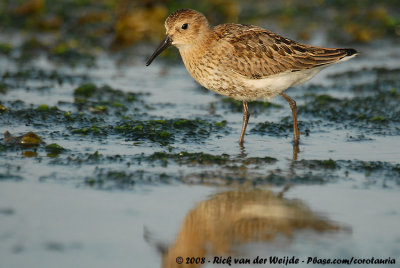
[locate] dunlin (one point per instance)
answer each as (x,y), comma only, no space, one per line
(245,62)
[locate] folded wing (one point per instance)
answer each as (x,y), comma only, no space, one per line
(257,53)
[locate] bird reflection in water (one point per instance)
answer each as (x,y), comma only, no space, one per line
(228,219)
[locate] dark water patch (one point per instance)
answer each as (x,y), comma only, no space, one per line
(187,158)
(112,179)
(7,211)
(375,168)
(96,158)
(9,171)
(3,88)
(358,138)
(205,159)
(317,164)
(259,160)
(12,177)
(275,177)
(117,171)
(16,78)
(60,247)
(375,172)
(125,180)
(54,246)
(16,104)
(69,55)
(59,50)
(381,73)
(31,48)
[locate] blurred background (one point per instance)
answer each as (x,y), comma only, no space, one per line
(79,28)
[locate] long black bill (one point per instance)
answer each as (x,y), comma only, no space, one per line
(164,44)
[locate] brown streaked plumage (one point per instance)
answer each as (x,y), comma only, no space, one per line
(245,62)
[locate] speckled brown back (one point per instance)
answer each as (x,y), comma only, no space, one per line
(258,53)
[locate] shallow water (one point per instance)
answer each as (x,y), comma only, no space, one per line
(119,196)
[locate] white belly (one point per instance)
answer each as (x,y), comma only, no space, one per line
(268,88)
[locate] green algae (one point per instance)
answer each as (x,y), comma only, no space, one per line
(106,94)
(254,106)
(126,180)
(325,99)
(112,179)
(166,131)
(276,178)
(377,114)
(165,135)
(153,130)
(53,149)
(221,124)
(190,158)
(259,160)
(85,90)
(43,108)
(318,164)
(92,130)
(284,127)
(85,159)
(378,119)
(5,48)
(205,159)
(71,55)
(272,128)
(105,99)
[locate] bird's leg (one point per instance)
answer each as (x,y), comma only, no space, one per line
(292,103)
(246,116)
(296,151)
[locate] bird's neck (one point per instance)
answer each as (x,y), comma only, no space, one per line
(198,48)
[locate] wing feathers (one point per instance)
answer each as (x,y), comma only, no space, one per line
(257,53)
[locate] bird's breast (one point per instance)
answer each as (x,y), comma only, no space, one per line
(207,71)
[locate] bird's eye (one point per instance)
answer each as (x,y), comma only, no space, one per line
(184,26)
